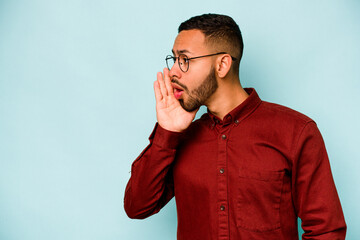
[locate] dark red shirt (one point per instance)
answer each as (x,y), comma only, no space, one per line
(248,176)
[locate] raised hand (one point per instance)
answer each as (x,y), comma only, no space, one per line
(170,115)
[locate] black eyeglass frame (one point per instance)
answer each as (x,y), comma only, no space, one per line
(168,57)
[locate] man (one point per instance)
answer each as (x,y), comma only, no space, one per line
(245,170)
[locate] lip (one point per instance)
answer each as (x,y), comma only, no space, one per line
(176,86)
(178,91)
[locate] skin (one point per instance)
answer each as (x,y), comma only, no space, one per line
(196,97)
(229,93)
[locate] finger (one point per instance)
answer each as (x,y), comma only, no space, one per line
(160,79)
(169,88)
(158,95)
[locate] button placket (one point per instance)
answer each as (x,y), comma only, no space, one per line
(223,214)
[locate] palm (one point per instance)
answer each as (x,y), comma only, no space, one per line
(172,116)
(169,113)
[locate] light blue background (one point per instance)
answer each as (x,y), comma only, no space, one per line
(77,104)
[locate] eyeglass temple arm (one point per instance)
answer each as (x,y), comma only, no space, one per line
(233,58)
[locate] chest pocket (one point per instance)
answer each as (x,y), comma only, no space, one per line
(258,204)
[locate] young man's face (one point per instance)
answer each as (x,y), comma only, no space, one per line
(194,87)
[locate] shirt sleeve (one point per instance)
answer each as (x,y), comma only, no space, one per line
(315,197)
(151,183)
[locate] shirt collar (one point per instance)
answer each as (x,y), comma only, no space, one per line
(240,112)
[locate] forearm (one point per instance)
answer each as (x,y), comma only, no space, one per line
(150,186)
(316,198)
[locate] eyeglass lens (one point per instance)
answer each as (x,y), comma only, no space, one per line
(183,62)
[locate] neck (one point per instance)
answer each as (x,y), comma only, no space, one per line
(228,96)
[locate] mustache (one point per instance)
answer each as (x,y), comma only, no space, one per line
(179,83)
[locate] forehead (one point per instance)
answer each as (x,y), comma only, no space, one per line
(189,41)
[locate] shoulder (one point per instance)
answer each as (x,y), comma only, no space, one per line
(277,112)
(278,120)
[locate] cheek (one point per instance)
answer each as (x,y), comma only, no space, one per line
(195,78)
(192,83)
(202,65)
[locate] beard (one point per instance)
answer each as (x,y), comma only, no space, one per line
(201,94)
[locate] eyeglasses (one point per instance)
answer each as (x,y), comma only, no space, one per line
(183,60)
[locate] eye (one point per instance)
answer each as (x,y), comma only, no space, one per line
(183,59)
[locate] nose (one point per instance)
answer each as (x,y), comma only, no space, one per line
(175,70)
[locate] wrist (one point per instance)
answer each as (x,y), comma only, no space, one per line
(166,138)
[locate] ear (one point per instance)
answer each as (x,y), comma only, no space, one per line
(223,65)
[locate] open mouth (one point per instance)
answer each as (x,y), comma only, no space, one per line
(177,93)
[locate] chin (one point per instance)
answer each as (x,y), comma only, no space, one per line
(189,107)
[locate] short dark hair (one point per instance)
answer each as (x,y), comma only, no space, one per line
(220,31)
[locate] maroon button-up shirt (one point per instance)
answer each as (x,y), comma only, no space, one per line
(248,176)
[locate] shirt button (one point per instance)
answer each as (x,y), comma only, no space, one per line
(222,170)
(223,136)
(222,207)
(236,121)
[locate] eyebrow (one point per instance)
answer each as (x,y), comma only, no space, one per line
(181,51)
